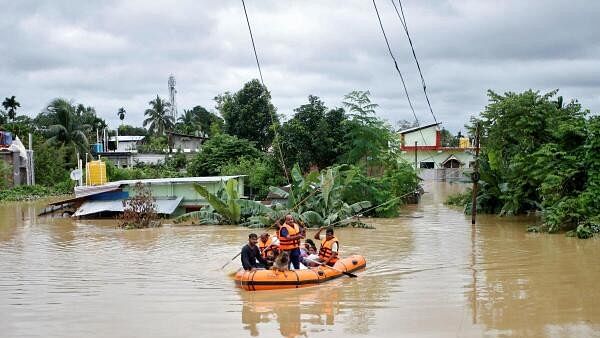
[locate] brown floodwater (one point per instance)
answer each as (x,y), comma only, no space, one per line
(429,274)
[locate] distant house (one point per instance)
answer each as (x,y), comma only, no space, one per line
(124,143)
(422,146)
(185,143)
(122,151)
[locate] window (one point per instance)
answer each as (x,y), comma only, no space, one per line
(427,165)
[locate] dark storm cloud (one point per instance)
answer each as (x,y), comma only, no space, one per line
(120,53)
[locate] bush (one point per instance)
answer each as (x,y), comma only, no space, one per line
(219,151)
(262,172)
(31,192)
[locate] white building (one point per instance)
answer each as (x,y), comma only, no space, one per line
(125,143)
(422,146)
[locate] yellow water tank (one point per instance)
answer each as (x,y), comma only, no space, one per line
(96,173)
(464,142)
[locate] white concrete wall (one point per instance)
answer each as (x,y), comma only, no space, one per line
(438,156)
(429,134)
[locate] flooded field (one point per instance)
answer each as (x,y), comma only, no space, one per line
(429,274)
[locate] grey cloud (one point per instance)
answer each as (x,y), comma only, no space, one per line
(120,53)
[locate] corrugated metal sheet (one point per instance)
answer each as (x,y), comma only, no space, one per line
(163,206)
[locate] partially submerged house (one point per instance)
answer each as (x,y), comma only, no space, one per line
(173,196)
(422,146)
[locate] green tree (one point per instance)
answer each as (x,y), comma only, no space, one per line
(11,105)
(448,140)
(159,120)
(314,136)
(536,156)
(369,139)
(187,123)
(249,114)
(262,172)
(126,129)
(219,151)
(67,131)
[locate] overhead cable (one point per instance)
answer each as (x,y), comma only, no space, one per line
(405,26)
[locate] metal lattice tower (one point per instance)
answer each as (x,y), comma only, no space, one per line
(172,101)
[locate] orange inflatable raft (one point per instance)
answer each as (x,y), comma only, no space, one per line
(272,280)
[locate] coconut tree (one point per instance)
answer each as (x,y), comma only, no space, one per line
(67,131)
(188,122)
(11,105)
(121,114)
(159,120)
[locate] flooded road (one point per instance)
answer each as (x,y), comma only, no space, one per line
(429,274)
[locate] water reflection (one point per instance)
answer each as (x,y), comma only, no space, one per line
(429,274)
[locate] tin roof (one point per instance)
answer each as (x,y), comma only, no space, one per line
(126,138)
(163,206)
(409,130)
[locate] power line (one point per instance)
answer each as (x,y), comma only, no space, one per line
(403,21)
(253,45)
(285,172)
(398,70)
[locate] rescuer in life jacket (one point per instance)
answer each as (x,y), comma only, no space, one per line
(289,235)
(328,253)
(268,246)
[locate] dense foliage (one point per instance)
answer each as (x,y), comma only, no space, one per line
(314,136)
(541,155)
(343,159)
(249,114)
(218,151)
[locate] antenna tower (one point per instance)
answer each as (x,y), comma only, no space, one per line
(172,92)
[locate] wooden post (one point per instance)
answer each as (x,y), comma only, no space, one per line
(475,177)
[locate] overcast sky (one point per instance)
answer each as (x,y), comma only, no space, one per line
(109,54)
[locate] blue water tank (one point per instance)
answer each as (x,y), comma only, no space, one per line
(5,138)
(97,148)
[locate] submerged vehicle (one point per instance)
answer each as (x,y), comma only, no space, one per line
(272,280)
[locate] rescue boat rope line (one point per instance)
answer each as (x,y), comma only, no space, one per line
(285,172)
(374,207)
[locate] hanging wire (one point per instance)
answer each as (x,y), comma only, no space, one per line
(285,171)
(398,70)
(403,21)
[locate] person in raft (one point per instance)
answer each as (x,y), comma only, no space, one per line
(268,246)
(328,253)
(251,254)
(289,236)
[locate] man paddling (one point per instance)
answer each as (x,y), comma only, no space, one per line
(328,254)
(289,236)
(251,254)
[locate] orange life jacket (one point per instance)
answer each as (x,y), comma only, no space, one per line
(265,247)
(325,252)
(289,244)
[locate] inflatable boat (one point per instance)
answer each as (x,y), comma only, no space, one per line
(271,280)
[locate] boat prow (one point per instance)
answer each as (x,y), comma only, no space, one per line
(273,280)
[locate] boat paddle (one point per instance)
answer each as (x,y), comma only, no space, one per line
(234,257)
(332,268)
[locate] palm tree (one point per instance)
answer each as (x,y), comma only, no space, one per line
(159,119)
(11,105)
(187,123)
(67,131)
(121,114)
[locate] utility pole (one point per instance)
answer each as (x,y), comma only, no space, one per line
(475,176)
(415,156)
